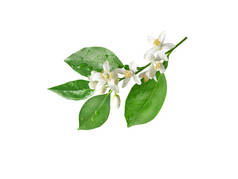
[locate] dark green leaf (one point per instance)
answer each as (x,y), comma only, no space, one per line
(94,112)
(145,101)
(75,90)
(92,58)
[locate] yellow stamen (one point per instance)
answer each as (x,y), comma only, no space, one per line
(146,78)
(156,42)
(111,75)
(127,74)
(158,66)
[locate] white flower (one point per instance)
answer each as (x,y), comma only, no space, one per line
(156,65)
(116,99)
(145,75)
(102,80)
(128,74)
(158,56)
(158,45)
(152,69)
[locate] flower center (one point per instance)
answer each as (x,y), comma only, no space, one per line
(111,75)
(156,42)
(146,78)
(157,66)
(107,76)
(127,74)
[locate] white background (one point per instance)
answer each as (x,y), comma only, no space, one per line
(195,134)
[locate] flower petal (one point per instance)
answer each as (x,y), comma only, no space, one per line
(167,46)
(155,78)
(149,55)
(106,67)
(125,82)
(151,72)
(132,67)
(120,71)
(103,89)
(136,79)
(141,75)
(144,75)
(92,84)
(114,76)
(95,76)
(101,84)
(162,69)
(113,86)
(161,37)
(161,56)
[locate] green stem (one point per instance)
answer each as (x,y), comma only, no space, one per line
(172,49)
(141,68)
(168,53)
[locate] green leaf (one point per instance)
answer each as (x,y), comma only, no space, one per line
(75,90)
(145,101)
(92,58)
(94,112)
(165,64)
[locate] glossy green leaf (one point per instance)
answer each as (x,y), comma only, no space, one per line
(145,101)
(94,112)
(75,90)
(92,58)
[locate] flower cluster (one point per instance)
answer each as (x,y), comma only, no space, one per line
(108,80)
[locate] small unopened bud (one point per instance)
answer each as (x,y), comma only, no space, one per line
(116,99)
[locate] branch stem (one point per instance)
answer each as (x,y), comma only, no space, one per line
(167,53)
(172,49)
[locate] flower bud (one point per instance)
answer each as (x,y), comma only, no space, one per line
(116,99)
